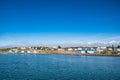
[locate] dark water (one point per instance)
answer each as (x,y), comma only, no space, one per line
(58,67)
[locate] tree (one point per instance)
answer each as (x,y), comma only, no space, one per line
(112,48)
(59,47)
(118,46)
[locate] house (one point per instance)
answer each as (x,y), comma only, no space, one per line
(92,48)
(11,51)
(81,51)
(36,48)
(101,49)
(55,47)
(75,49)
(29,47)
(109,48)
(23,48)
(86,51)
(90,51)
(79,48)
(16,51)
(69,49)
(22,51)
(61,49)
(29,51)
(118,49)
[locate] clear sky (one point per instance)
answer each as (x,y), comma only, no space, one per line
(57,21)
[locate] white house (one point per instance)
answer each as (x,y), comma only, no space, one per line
(11,51)
(22,51)
(69,49)
(79,49)
(16,51)
(61,49)
(110,49)
(90,51)
(100,49)
(118,49)
(92,48)
(55,47)
(83,51)
(29,51)
(75,49)
(29,47)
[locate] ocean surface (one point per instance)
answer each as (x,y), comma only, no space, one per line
(58,67)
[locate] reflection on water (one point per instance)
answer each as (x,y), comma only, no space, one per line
(58,67)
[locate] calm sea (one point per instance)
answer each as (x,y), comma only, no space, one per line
(58,67)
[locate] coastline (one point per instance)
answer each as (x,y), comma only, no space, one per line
(114,55)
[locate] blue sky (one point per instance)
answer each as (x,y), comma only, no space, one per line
(58,21)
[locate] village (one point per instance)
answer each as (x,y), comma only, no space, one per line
(60,50)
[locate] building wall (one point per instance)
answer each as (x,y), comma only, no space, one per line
(61,49)
(118,49)
(11,51)
(90,52)
(22,51)
(83,51)
(29,52)
(70,49)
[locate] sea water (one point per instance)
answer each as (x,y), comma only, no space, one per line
(58,67)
